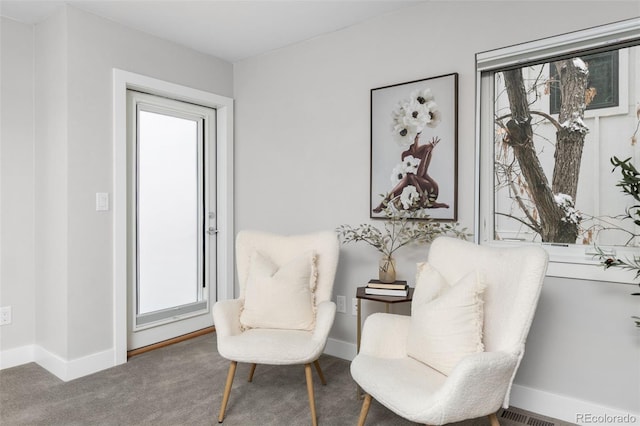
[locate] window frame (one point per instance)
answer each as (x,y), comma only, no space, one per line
(620,67)
(571,261)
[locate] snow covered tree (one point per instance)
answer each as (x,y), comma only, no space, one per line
(553,215)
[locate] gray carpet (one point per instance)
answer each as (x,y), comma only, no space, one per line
(182,385)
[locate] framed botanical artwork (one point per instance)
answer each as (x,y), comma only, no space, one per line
(414,144)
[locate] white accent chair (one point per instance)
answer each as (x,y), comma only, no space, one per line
(278,346)
(480,383)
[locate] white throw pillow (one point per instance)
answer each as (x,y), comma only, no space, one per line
(446,320)
(280,296)
(429,284)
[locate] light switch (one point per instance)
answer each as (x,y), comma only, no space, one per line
(102,201)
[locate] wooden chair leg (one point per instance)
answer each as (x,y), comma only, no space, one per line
(227,390)
(319,370)
(493,419)
(251,371)
(312,403)
(365,409)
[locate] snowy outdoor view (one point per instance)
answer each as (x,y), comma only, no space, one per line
(554,179)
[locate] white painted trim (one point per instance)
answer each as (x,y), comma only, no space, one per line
(569,268)
(603,35)
(64,370)
(340,349)
(225,208)
(123,80)
(17,356)
(561,407)
(51,362)
(75,368)
(119,216)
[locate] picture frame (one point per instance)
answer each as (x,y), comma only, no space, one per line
(414,147)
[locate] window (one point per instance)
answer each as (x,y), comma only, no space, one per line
(552,114)
(602,85)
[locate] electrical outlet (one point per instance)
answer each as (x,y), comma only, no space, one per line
(354,306)
(341,301)
(5,315)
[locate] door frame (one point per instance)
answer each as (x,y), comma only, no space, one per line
(123,80)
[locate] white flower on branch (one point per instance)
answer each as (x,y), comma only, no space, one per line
(409,165)
(403,135)
(413,115)
(409,196)
(422,95)
(435,116)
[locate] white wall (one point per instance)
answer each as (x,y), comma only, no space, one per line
(17,269)
(51,185)
(75,53)
(583,344)
(302,164)
(96,46)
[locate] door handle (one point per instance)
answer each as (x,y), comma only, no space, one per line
(211,230)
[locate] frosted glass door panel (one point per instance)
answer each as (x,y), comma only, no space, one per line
(171,181)
(168,212)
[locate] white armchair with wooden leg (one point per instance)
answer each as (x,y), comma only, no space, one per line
(284,311)
(456,356)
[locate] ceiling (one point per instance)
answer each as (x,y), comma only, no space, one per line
(230,30)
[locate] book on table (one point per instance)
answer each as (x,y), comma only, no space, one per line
(396,285)
(401,292)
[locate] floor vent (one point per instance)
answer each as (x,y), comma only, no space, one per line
(513,416)
(537,422)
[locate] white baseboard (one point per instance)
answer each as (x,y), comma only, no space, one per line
(340,349)
(568,409)
(17,356)
(69,370)
(75,368)
(541,402)
(63,369)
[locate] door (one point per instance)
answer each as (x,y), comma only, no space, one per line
(171,219)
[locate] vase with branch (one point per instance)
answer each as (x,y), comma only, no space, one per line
(401,227)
